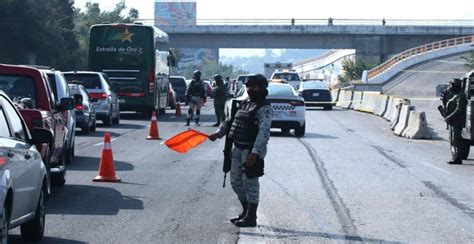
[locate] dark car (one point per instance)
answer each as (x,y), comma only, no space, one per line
(24,185)
(58,84)
(106,103)
(316,94)
(30,90)
(85,112)
(179,86)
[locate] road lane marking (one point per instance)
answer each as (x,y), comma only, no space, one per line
(434,167)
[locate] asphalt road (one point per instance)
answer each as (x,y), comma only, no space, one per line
(348,179)
(419,84)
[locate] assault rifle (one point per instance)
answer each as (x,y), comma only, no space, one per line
(228,142)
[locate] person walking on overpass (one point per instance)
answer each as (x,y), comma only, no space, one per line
(195,95)
(220,97)
(250,131)
(456,117)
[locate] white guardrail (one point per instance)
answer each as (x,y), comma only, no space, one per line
(410,57)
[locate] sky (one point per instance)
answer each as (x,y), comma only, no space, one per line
(308,9)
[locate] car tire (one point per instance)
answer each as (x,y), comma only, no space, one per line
(59,178)
(299,131)
(86,129)
(33,230)
(69,155)
(285,130)
(108,120)
(116,120)
(5,224)
(94,126)
(328,107)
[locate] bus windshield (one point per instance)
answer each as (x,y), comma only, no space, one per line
(121,46)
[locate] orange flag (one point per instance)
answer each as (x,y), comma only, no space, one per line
(186,140)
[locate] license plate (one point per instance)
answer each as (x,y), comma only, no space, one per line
(121,100)
(315,94)
(292,113)
(278,114)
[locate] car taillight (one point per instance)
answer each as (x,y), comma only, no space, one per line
(37,123)
(98,96)
(79,107)
(151,81)
(297,103)
(3,161)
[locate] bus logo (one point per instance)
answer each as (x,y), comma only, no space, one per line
(123,37)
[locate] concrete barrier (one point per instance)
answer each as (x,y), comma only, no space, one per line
(341,98)
(388,113)
(402,123)
(381,105)
(347,99)
(417,126)
(369,102)
(335,95)
(357,100)
(396,107)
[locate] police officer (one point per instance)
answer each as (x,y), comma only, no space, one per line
(220,97)
(250,132)
(456,116)
(195,94)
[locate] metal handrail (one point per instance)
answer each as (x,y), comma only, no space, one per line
(416,51)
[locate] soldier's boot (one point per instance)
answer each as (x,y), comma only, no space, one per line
(197,122)
(187,122)
(250,219)
(242,215)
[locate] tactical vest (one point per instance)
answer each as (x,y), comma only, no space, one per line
(244,129)
(196,88)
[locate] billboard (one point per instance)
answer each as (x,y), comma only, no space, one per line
(175,13)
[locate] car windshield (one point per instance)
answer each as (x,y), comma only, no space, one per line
(89,81)
(313,85)
(18,86)
(286,76)
(280,90)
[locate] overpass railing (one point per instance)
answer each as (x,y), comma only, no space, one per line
(330,21)
(417,51)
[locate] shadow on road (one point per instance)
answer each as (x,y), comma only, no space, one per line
(89,200)
(97,134)
(281,234)
(318,136)
(81,163)
(46,240)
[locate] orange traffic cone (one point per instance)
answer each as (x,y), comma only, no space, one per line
(154,134)
(106,167)
(178,109)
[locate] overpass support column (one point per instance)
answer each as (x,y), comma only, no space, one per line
(369,49)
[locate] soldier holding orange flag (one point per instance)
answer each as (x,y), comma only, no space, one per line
(250,131)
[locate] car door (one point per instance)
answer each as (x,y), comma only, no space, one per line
(24,172)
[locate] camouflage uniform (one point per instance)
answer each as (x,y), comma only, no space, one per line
(248,189)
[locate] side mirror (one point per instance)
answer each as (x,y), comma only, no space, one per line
(67,103)
(40,136)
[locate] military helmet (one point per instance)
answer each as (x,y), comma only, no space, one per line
(456,81)
(197,74)
(218,77)
(256,79)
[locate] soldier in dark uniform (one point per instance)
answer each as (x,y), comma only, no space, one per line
(456,116)
(194,95)
(250,132)
(220,97)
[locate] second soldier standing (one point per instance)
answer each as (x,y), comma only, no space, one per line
(220,97)
(195,94)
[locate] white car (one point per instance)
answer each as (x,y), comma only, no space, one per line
(24,182)
(288,108)
(287,76)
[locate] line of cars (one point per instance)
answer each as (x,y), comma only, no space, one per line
(39,111)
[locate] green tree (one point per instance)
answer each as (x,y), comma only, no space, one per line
(91,15)
(37,33)
(469,61)
(352,70)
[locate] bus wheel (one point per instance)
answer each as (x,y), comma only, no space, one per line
(162,111)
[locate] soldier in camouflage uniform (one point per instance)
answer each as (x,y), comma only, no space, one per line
(195,95)
(456,117)
(220,97)
(250,132)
